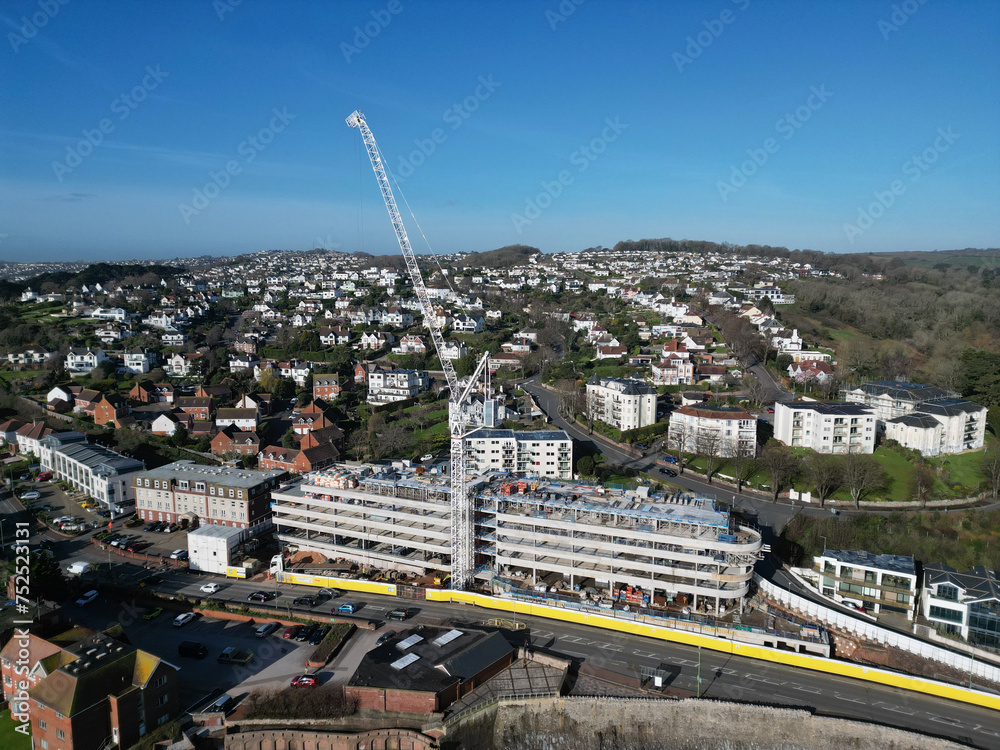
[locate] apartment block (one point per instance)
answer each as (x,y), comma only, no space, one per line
(622,403)
(965,604)
(826,427)
(547,453)
(102,473)
(713,430)
(876,583)
(217,495)
(389,386)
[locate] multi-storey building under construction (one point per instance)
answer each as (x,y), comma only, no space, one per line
(529,534)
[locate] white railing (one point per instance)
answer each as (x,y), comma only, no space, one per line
(872,632)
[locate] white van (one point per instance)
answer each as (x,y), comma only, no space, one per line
(78,568)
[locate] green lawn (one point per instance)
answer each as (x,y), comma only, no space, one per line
(9,738)
(23,374)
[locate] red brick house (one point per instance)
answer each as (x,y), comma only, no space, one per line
(86,400)
(232,440)
(87,690)
(221,392)
(144,392)
(199,407)
(297,461)
(110,410)
(326,386)
(316,416)
(332,434)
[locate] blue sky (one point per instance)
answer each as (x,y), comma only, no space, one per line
(838,127)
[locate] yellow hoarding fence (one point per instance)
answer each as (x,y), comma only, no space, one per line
(804,661)
(347,584)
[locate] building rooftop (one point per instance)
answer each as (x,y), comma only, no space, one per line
(980,583)
(522,435)
(891,563)
(836,408)
(951,407)
(245,478)
(97,457)
(902,390)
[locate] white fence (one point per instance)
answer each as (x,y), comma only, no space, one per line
(869,631)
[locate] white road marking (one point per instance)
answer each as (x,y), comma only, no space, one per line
(645,654)
(943,720)
(804,689)
(839,697)
(372,606)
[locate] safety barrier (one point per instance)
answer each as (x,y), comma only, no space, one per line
(347,584)
(804,661)
(877,634)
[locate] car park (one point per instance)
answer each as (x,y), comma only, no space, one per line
(266,629)
(304,680)
(306,633)
(87,598)
(347,608)
(31,495)
(318,636)
(210,588)
(183,619)
(260,596)
(192,649)
(291,631)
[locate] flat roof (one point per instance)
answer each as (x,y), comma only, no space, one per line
(244,478)
(216,531)
(892,563)
(832,407)
(97,456)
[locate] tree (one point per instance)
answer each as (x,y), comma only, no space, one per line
(283,390)
(393,440)
(179,436)
(862,476)
(825,475)
(755,389)
(743,463)
(921,483)
(267,381)
(990,466)
(288,439)
(585,466)
(677,439)
(708,445)
(781,466)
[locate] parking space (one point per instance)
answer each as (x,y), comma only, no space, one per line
(47,496)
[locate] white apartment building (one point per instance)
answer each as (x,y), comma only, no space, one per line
(621,403)
(547,453)
(826,427)
(922,417)
(712,430)
(217,495)
(875,583)
(965,604)
(100,472)
(388,386)
(591,538)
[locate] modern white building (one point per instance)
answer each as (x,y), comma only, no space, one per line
(965,604)
(592,542)
(621,403)
(140,361)
(212,549)
(923,417)
(826,427)
(714,430)
(876,583)
(547,453)
(388,386)
(100,472)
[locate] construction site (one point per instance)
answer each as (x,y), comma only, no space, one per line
(548,537)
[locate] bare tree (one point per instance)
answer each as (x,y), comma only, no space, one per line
(781,466)
(755,389)
(392,440)
(862,476)
(677,439)
(825,475)
(990,466)
(709,446)
(921,483)
(743,463)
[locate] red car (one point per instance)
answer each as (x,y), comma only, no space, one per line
(45,476)
(304,680)
(291,631)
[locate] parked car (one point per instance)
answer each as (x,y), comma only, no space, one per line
(104,513)
(305,601)
(397,614)
(210,588)
(668,472)
(319,635)
(426,457)
(383,638)
(150,526)
(291,631)
(222,705)
(266,629)
(45,476)
(304,680)
(325,594)
(347,608)
(87,598)
(183,619)
(193,649)
(260,596)
(669,459)
(179,554)
(306,633)
(135,546)
(31,495)
(44,508)
(153,613)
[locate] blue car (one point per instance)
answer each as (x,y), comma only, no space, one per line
(669,459)
(347,608)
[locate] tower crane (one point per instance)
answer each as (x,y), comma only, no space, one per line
(462,529)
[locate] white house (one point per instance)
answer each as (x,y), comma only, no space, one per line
(825,427)
(468,324)
(965,604)
(387,386)
(139,361)
(84,360)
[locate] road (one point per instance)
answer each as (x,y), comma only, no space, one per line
(723,677)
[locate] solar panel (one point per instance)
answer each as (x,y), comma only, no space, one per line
(447,637)
(407,642)
(404,662)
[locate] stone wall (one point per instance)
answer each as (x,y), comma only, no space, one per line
(295,739)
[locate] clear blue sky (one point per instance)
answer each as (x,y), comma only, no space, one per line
(887,94)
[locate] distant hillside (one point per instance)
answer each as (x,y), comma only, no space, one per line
(970,258)
(504,257)
(103,273)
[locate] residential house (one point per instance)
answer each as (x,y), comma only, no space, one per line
(139,361)
(232,440)
(315,416)
(964,604)
(84,360)
(85,401)
(243,419)
(810,371)
(707,429)
(468,324)
(29,437)
(624,404)
(326,386)
(874,583)
(243,362)
(182,365)
(388,386)
(376,340)
(297,461)
(198,407)
(111,410)
(410,344)
(337,336)
(166,423)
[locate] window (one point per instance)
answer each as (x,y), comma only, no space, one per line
(947,592)
(41,724)
(943,613)
(162,700)
(160,681)
(232,492)
(60,734)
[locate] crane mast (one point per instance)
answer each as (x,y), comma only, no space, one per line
(462,553)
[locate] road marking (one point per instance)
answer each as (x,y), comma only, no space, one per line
(979,728)
(372,606)
(896,709)
(804,689)
(839,697)
(758,678)
(949,722)
(645,654)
